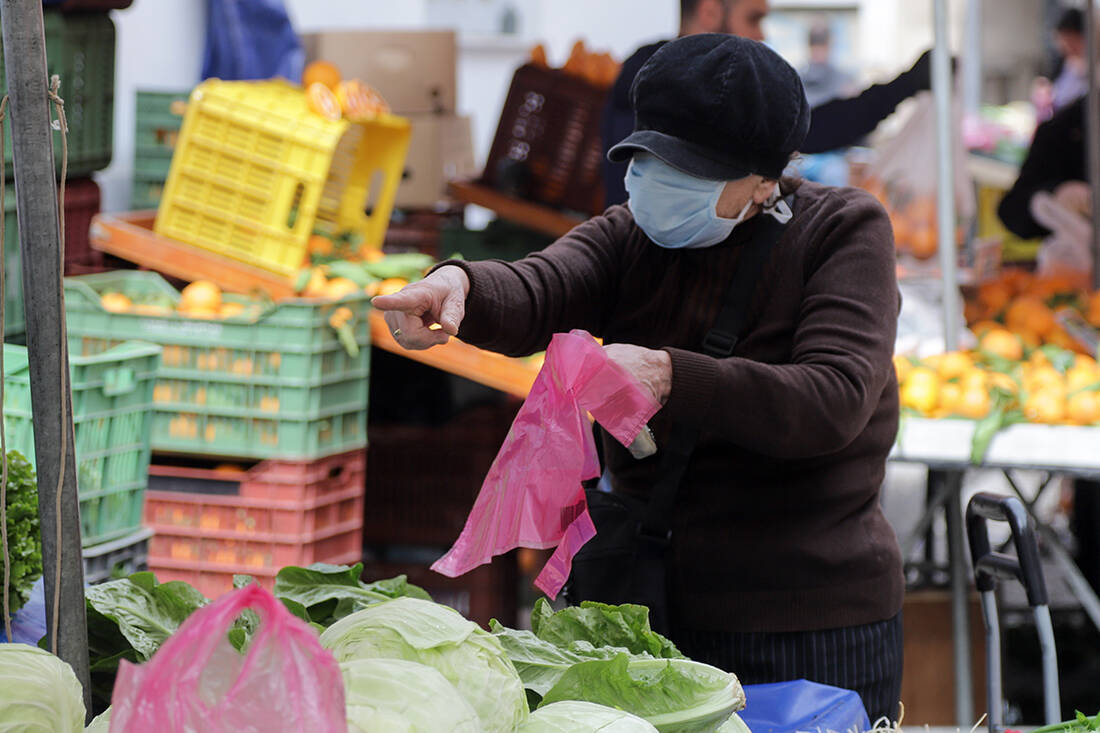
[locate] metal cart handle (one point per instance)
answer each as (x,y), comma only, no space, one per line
(989,566)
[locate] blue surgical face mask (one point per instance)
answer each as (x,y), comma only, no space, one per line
(675,209)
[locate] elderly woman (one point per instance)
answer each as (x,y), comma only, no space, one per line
(781,564)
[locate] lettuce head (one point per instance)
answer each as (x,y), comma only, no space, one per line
(403,697)
(39,693)
(575,716)
(428,633)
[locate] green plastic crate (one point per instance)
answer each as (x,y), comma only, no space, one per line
(146,192)
(15,320)
(80,48)
(157,123)
(112,418)
(273,384)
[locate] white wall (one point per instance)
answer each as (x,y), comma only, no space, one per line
(159,47)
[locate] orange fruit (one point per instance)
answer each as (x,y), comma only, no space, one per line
(115,302)
(339,287)
(1030,313)
(975,402)
(323,102)
(359,101)
(995,295)
(1002,343)
(201,295)
(1083,408)
(922,243)
(951,395)
(321,72)
(980,328)
(1045,406)
(315,288)
(391,285)
(903,233)
(1004,381)
(902,366)
(921,390)
(148,309)
(1080,378)
(228,310)
(371,254)
(1043,377)
(319,245)
(954,364)
(371,289)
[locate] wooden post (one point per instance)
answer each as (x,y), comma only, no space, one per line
(40,241)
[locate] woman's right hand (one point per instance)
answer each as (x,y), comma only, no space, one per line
(428,312)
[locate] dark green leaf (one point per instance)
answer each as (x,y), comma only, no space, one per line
(146,612)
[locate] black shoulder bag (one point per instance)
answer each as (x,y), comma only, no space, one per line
(628,559)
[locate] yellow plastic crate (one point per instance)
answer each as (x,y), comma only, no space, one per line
(255,172)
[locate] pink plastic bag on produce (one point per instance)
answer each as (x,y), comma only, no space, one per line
(197,681)
(533,496)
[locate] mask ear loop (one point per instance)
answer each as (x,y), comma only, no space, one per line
(777,208)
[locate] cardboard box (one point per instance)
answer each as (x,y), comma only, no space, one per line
(441,150)
(414,71)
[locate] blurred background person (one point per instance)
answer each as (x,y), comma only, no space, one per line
(1072,79)
(821,78)
(836,124)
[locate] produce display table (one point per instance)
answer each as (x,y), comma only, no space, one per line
(944,447)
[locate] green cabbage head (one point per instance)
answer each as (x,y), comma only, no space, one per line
(428,633)
(38,692)
(576,716)
(404,697)
(101,723)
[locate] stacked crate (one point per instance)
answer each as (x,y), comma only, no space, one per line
(80,49)
(275,391)
(112,395)
(157,121)
(212,523)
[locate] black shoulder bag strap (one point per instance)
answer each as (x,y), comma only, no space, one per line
(720,342)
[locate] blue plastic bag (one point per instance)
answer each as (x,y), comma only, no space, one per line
(801,705)
(250,39)
(28,624)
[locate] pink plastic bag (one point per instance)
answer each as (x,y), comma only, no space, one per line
(198,682)
(532,496)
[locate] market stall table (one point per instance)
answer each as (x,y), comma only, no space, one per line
(944,446)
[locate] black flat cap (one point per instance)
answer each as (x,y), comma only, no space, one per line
(717,106)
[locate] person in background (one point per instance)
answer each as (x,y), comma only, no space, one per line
(1072,80)
(783,565)
(821,78)
(838,123)
(1055,165)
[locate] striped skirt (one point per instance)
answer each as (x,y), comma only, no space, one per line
(866,659)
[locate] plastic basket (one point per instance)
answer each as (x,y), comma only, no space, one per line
(147,192)
(547,146)
(217,523)
(279,385)
(123,556)
(80,48)
(112,397)
(256,172)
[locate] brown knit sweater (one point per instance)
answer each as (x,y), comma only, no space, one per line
(778,525)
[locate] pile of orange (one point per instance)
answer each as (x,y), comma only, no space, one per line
(913,218)
(598,69)
(1026,305)
(333,97)
(320,285)
(201,299)
(1050,385)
